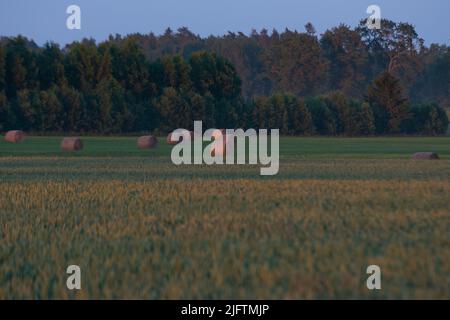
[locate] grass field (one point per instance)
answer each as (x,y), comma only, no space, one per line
(141,227)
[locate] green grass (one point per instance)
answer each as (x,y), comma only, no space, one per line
(141,227)
(383,147)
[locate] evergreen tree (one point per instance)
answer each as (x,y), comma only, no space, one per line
(71,101)
(51,67)
(296,64)
(25,112)
(121,117)
(386,93)
(15,73)
(347,55)
(103,94)
(81,64)
(131,69)
(173,109)
(176,73)
(209,117)
(21,69)
(51,109)
(213,74)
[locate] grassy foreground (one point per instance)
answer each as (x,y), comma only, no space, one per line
(140,227)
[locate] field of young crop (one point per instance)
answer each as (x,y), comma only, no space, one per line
(141,227)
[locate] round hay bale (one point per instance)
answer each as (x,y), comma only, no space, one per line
(71,144)
(425,156)
(14,136)
(147,142)
(220,149)
(169,139)
(173,142)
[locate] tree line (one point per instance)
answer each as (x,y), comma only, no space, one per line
(307,64)
(345,82)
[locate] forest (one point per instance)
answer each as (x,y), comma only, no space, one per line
(346,81)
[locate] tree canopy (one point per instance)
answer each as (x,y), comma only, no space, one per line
(343,82)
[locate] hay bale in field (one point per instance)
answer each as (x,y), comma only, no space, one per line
(425,156)
(14,136)
(173,142)
(220,149)
(147,142)
(71,144)
(169,139)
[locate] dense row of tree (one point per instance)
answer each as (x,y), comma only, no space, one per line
(351,82)
(308,64)
(336,114)
(110,88)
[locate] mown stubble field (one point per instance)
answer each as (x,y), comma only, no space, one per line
(140,227)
